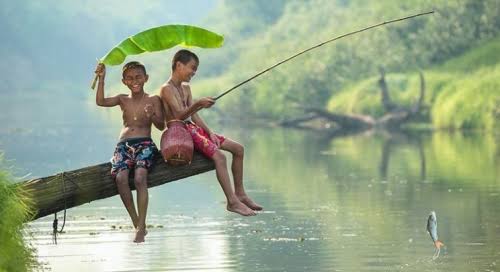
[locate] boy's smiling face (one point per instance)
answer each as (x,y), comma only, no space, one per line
(188,70)
(134,79)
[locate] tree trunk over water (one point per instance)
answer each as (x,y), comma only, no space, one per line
(73,188)
(394,116)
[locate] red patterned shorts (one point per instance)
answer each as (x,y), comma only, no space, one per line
(201,140)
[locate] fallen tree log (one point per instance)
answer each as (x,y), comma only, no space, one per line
(393,118)
(73,188)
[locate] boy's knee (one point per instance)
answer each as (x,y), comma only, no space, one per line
(140,183)
(219,157)
(239,150)
(121,178)
(140,180)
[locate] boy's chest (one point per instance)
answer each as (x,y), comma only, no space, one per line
(134,110)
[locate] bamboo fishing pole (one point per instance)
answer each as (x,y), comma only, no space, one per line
(318,45)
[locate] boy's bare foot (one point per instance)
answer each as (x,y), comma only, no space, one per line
(240,208)
(139,235)
(252,205)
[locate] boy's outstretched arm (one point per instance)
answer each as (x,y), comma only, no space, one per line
(204,102)
(99,97)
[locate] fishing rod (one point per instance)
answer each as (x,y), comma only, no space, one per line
(318,45)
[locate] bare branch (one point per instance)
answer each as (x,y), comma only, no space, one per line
(418,106)
(386,98)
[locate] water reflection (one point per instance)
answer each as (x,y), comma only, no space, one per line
(174,242)
(353,203)
(395,140)
(371,194)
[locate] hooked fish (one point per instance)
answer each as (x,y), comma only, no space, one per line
(432,229)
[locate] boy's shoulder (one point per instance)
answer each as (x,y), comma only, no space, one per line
(153,97)
(168,88)
(165,87)
(186,86)
(122,96)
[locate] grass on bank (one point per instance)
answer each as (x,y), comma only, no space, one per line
(16,254)
(463,93)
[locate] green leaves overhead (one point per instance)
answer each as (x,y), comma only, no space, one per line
(161,38)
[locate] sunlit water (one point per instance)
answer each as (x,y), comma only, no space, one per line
(356,203)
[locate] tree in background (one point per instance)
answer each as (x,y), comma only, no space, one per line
(424,42)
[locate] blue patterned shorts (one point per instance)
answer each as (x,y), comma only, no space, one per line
(133,153)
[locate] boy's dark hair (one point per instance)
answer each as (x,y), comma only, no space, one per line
(184,56)
(133,65)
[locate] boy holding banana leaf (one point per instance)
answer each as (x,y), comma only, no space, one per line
(178,104)
(135,149)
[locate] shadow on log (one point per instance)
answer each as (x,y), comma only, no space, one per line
(73,188)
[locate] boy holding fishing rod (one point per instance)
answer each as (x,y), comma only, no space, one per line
(178,104)
(135,149)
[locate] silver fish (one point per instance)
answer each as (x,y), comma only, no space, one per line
(432,229)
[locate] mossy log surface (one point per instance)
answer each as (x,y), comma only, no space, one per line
(73,188)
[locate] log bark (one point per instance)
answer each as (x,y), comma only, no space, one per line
(346,121)
(73,188)
(351,122)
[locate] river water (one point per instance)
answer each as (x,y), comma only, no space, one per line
(356,203)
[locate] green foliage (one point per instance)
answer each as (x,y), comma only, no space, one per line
(324,77)
(463,93)
(485,55)
(252,16)
(249,20)
(455,28)
(16,254)
(161,38)
(470,101)
(364,97)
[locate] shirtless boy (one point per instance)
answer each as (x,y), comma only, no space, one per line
(135,149)
(178,104)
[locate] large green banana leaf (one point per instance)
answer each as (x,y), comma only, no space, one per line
(161,38)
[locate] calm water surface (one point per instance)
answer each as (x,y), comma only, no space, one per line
(357,203)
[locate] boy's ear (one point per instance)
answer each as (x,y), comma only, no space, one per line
(123,81)
(146,78)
